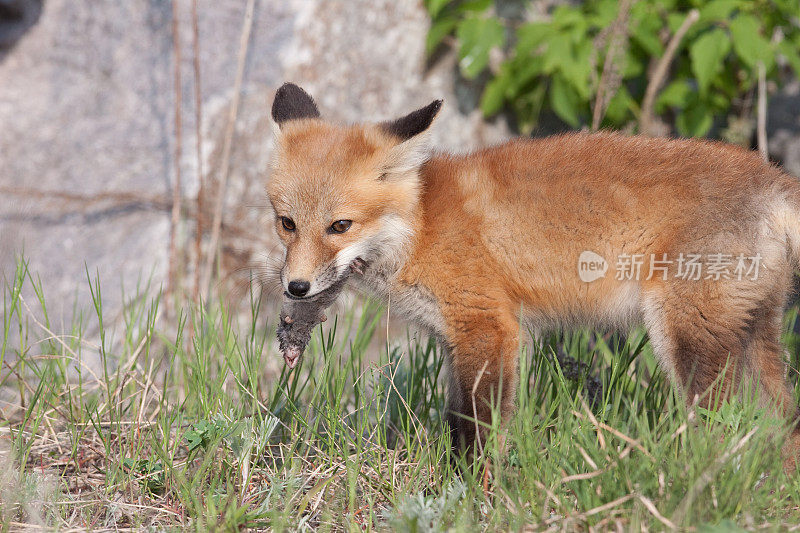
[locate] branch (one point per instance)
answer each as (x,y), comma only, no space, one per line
(646,117)
(176,186)
(609,82)
(244,41)
(761,130)
(198,105)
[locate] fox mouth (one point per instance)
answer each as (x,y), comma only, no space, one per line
(297,298)
(357,266)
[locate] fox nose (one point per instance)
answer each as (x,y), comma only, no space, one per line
(299,288)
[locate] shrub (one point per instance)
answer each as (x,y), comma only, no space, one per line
(558,63)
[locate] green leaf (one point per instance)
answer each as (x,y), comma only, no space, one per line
(193,440)
(605,12)
(666,5)
(717,10)
(579,32)
(788,7)
(531,35)
(559,50)
(675,94)
(620,107)
(566,17)
(576,68)
(707,54)
(525,71)
(434,7)
(201,434)
(527,107)
(478,36)
(695,120)
(792,55)
(749,44)
(473,6)
(439,30)
(152,471)
(633,65)
(674,21)
(564,101)
(645,31)
(494,95)
(719,101)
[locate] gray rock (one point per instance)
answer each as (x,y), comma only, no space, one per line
(87,103)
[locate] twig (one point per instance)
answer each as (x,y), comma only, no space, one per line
(176,186)
(475,408)
(600,439)
(601,425)
(550,496)
(629,440)
(761,129)
(244,42)
(648,503)
(605,507)
(646,117)
(598,471)
(608,84)
(198,107)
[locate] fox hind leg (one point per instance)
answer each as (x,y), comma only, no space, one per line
(767,367)
(708,347)
(700,347)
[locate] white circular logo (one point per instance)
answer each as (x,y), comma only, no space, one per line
(591,266)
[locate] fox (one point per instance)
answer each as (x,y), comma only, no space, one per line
(697,240)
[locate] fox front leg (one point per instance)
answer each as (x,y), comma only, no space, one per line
(483,375)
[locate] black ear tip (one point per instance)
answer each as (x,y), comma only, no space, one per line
(433,108)
(290,92)
(415,122)
(292,102)
(288,89)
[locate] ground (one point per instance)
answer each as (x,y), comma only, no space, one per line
(191,422)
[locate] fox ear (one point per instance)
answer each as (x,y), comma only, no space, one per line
(405,158)
(292,103)
(414,123)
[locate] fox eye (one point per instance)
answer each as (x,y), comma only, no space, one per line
(288,224)
(340,226)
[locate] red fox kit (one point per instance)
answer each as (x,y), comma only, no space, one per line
(696,240)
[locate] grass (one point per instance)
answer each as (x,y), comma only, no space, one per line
(192,422)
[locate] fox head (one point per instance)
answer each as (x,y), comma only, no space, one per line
(344,197)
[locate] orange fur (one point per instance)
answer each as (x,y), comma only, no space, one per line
(462,243)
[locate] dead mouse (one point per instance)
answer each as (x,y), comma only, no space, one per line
(300,316)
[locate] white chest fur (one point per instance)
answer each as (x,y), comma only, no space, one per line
(413,303)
